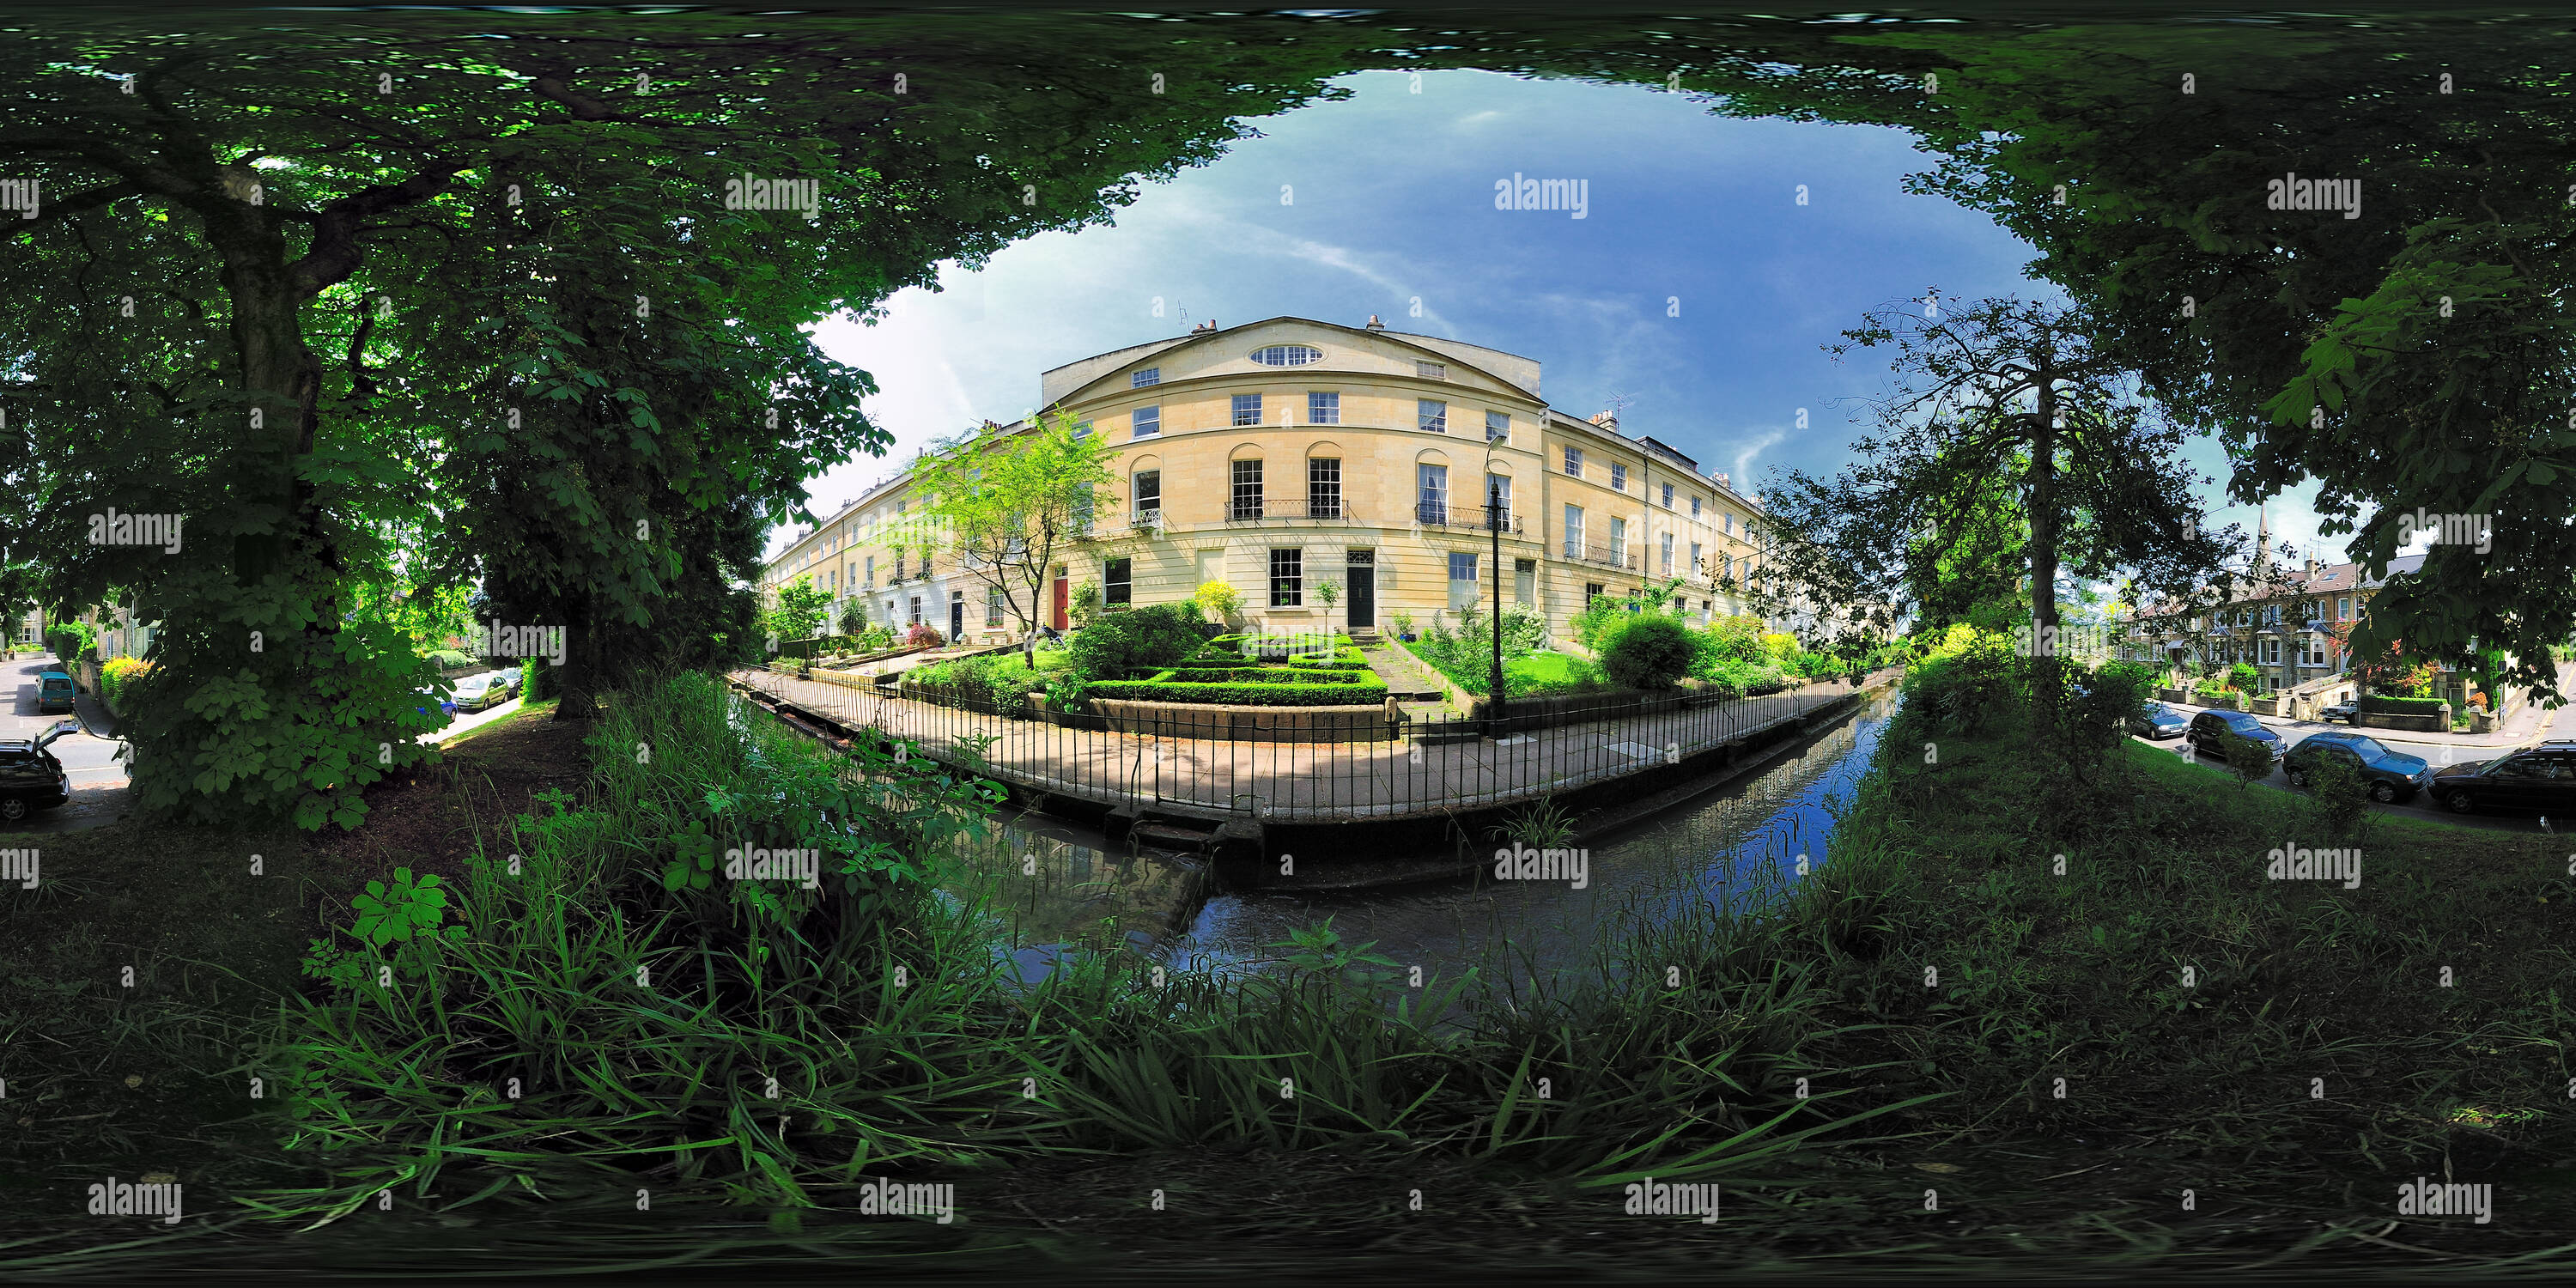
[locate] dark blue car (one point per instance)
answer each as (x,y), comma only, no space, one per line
(2210,730)
(2393,775)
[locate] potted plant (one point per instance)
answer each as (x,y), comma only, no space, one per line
(1403,624)
(1328,593)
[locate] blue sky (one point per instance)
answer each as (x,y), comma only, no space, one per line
(1389,199)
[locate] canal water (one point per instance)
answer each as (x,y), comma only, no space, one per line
(1052,886)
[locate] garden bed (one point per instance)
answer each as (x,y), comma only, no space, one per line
(1224,722)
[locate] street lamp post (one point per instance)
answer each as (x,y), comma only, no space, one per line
(1494,520)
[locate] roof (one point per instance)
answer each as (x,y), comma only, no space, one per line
(2328,579)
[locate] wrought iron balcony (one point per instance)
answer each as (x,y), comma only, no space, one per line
(1438,514)
(1604,555)
(1266,509)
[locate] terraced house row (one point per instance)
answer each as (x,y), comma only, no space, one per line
(1282,455)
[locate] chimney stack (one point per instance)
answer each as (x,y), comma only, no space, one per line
(1374,324)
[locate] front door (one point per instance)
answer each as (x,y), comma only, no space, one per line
(956,616)
(1063,601)
(1363,589)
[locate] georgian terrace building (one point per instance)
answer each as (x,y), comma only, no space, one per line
(1280,455)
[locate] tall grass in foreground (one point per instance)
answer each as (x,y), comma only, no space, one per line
(1940,975)
(594,1018)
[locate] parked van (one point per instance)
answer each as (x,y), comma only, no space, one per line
(55,692)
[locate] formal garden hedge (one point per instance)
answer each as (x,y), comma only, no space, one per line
(2401,706)
(1311,688)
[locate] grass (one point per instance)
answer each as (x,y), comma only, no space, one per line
(1520,1106)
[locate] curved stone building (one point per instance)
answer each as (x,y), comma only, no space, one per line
(1280,455)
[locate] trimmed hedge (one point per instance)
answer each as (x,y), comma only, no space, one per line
(1257,675)
(1230,662)
(1368,692)
(2401,706)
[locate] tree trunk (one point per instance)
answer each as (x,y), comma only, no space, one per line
(2043,509)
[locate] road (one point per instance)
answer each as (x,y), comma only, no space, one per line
(99,794)
(2421,807)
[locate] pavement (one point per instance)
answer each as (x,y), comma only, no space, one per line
(100,784)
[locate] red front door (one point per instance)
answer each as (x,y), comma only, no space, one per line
(1063,600)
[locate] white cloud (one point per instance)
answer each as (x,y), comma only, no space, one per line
(1742,475)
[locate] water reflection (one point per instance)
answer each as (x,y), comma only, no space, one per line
(1053,887)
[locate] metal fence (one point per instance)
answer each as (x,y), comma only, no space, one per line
(1257,764)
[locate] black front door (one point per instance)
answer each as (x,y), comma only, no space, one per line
(1363,596)
(956,616)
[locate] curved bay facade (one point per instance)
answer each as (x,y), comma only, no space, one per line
(1281,455)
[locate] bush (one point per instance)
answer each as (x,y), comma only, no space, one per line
(1737,638)
(1365,692)
(443,658)
(1003,679)
(72,641)
(118,678)
(2243,676)
(1216,599)
(1148,638)
(924,635)
(1648,651)
(854,618)
(2402,706)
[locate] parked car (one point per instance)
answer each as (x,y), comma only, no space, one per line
(427,700)
(2158,721)
(2209,731)
(511,678)
(30,778)
(55,692)
(2392,775)
(2539,777)
(2343,711)
(475,692)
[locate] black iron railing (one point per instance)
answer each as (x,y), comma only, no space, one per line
(1313,765)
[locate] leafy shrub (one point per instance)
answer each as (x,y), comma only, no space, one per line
(1736,638)
(1596,618)
(2402,706)
(1365,692)
(1263,675)
(2249,760)
(924,635)
(854,618)
(1647,651)
(1216,599)
(72,641)
(1119,644)
(1003,679)
(2243,676)
(118,678)
(447,657)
